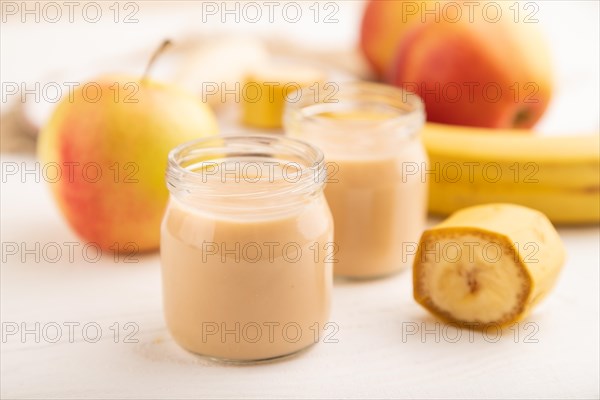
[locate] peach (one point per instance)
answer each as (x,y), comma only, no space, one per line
(476,73)
(382,25)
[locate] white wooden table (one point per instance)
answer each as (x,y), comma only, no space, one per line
(381,347)
(385,344)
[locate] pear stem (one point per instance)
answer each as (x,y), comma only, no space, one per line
(166,43)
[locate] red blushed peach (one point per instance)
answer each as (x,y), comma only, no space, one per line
(476,73)
(383,23)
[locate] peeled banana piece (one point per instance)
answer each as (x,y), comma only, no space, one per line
(487,265)
(559,176)
(266,89)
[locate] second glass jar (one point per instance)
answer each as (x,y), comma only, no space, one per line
(376,164)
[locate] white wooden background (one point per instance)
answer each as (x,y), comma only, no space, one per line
(553,354)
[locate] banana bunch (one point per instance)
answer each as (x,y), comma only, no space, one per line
(559,176)
(487,265)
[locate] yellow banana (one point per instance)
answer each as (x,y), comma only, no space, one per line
(559,176)
(264,93)
(487,265)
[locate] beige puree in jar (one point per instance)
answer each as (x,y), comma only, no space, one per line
(375,160)
(246,261)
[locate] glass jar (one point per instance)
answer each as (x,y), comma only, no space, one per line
(246,247)
(376,163)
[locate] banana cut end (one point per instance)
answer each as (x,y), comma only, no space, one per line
(487,265)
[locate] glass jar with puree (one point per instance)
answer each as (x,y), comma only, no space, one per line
(246,247)
(376,167)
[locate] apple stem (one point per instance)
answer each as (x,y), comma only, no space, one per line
(166,43)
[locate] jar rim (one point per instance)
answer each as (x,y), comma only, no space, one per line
(221,147)
(403,106)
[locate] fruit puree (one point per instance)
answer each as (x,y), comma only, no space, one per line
(374,159)
(247,275)
(378,217)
